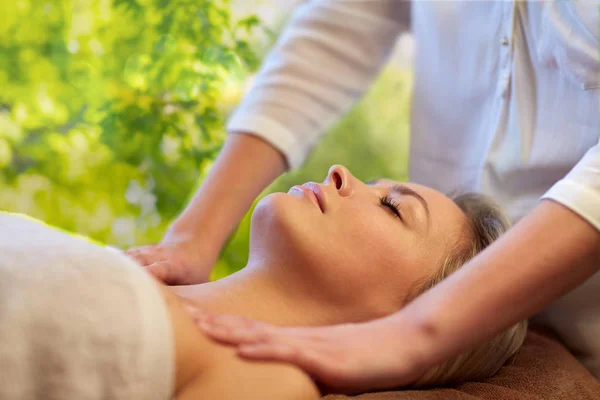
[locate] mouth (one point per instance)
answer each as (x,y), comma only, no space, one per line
(314,193)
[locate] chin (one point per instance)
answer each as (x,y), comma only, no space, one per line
(281,211)
(284,226)
(271,211)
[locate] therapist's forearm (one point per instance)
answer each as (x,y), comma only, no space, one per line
(245,166)
(548,253)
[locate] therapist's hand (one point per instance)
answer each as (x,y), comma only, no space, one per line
(191,246)
(346,358)
(174,262)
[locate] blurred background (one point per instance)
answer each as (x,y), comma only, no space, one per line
(113,111)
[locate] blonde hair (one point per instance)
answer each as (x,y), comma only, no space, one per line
(486,223)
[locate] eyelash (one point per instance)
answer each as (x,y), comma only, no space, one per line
(386,201)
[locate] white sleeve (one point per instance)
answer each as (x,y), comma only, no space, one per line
(580,189)
(324,61)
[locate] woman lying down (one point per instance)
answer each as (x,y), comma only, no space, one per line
(79,321)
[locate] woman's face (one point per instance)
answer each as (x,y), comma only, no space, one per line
(363,245)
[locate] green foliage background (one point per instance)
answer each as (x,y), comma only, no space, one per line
(111,112)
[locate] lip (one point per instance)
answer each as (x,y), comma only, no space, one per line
(314,193)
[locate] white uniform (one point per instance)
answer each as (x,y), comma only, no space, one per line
(505,102)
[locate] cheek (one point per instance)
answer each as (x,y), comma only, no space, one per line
(371,262)
(376,236)
(377,250)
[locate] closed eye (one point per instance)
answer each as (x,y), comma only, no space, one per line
(387,201)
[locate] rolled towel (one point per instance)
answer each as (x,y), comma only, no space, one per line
(78,321)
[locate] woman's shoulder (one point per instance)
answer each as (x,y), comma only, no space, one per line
(235,378)
(206,369)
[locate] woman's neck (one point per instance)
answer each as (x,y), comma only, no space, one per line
(264,293)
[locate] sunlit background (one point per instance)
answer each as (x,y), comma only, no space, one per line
(112,112)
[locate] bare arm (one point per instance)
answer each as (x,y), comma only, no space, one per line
(325,60)
(548,253)
(551,251)
(245,166)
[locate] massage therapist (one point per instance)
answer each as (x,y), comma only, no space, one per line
(505,102)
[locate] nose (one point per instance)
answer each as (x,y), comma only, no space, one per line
(341,179)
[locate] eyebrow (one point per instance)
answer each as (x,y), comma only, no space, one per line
(405,190)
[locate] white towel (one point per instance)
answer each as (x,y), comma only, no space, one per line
(78,321)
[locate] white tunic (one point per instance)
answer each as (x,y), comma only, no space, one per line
(505,102)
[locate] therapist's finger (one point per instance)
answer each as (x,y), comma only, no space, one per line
(314,358)
(234,330)
(237,330)
(142,256)
(160,270)
(235,322)
(274,351)
(196,312)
